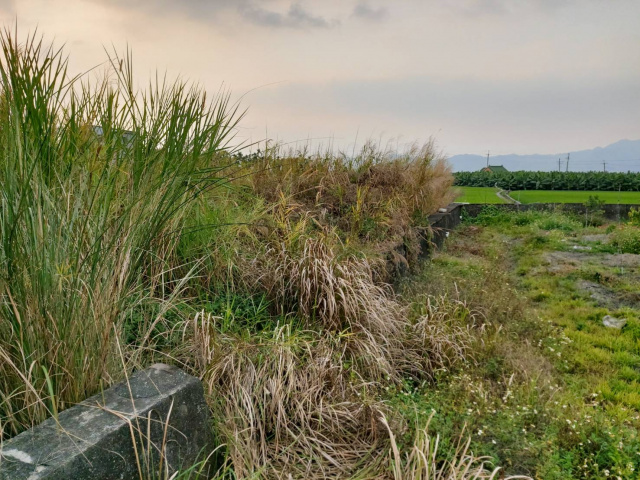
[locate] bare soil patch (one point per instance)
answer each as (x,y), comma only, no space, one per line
(614,260)
(595,238)
(607,297)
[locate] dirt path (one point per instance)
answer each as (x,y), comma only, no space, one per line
(505,196)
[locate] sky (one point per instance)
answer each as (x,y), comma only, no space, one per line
(509,76)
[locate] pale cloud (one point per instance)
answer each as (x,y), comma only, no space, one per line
(269,13)
(479,8)
(296,16)
(367,12)
(7,7)
(494,114)
(201,9)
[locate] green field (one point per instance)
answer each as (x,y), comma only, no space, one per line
(479,195)
(569,196)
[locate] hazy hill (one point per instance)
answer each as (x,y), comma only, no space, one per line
(621,156)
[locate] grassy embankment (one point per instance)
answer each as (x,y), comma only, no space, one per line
(569,196)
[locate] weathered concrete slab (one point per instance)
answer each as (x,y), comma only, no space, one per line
(159,413)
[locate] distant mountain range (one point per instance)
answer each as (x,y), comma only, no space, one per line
(621,156)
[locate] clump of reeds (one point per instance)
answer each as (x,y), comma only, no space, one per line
(286,406)
(422,460)
(95,180)
(338,295)
(444,329)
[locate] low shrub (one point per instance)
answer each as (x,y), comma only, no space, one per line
(556,221)
(491,215)
(594,211)
(541,219)
(634,216)
(625,239)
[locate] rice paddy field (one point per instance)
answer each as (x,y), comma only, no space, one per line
(570,196)
(478,195)
(488,195)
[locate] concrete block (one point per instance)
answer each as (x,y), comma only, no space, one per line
(160,413)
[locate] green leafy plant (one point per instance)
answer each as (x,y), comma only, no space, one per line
(625,239)
(634,216)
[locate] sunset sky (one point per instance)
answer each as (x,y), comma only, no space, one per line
(510,76)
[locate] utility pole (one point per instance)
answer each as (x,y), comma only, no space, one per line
(568,155)
(604,166)
(488,153)
(558,163)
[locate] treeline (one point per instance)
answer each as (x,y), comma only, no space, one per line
(524,180)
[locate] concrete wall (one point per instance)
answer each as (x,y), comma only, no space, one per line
(159,415)
(444,222)
(616,212)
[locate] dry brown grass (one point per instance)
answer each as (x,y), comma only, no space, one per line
(444,329)
(334,292)
(288,406)
(305,401)
(373,196)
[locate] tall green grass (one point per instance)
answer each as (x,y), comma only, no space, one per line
(95,181)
